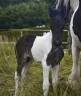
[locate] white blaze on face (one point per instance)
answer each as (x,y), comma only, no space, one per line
(58,3)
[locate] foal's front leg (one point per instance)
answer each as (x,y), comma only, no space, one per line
(46,70)
(76,67)
(55,74)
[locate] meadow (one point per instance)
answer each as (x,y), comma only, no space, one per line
(33,82)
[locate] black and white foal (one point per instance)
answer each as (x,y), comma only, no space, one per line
(45,49)
(37,48)
(75,30)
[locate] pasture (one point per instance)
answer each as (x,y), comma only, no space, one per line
(33,82)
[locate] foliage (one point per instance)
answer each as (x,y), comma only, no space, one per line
(23,13)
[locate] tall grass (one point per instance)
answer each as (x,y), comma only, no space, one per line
(33,82)
(7,68)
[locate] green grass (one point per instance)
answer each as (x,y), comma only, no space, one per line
(33,82)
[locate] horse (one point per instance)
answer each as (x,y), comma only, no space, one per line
(46,49)
(75,30)
(59,15)
(29,48)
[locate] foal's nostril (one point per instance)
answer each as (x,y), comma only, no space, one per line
(58,55)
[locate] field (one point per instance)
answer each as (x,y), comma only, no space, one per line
(33,82)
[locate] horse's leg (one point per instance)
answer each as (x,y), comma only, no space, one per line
(18,78)
(46,70)
(17,82)
(55,73)
(20,73)
(76,67)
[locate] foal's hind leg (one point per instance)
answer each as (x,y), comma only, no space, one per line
(20,73)
(76,67)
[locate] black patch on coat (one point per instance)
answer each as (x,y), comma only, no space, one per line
(23,51)
(77,23)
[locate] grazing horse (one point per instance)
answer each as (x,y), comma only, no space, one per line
(59,15)
(75,30)
(46,49)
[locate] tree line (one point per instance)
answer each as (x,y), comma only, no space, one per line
(23,13)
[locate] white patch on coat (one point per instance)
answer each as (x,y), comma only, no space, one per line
(41,46)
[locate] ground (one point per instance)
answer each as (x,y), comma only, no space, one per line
(33,82)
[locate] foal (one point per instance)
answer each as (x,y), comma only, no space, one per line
(37,48)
